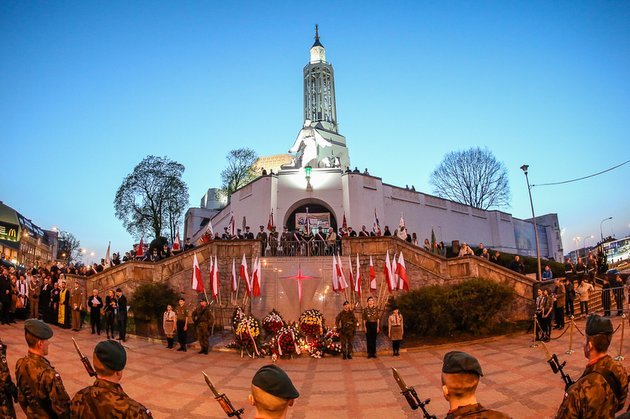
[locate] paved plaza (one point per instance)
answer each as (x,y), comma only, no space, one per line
(517,379)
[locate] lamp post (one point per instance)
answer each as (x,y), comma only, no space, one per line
(525,168)
(584,241)
(577,247)
(600,227)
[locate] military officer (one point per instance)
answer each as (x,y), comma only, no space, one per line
(460,377)
(202,318)
(8,390)
(106,398)
(371,323)
(262,236)
(40,390)
(346,324)
(272,392)
(601,390)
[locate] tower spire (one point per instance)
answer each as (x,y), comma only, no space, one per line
(316,32)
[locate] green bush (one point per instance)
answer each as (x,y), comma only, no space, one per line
(149,301)
(469,307)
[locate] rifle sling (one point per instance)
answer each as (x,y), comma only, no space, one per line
(612,381)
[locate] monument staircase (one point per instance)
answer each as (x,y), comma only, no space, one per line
(282,282)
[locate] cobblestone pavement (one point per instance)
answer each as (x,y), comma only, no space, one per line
(517,379)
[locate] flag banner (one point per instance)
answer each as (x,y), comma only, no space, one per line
(108,259)
(372,275)
(197,282)
(232,225)
(357,287)
(215,277)
(343,284)
(245,275)
(209,229)
(140,248)
(177,246)
(344,223)
(387,270)
(401,270)
(335,274)
(351,277)
(270,222)
(377,225)
(234,277)
(393,266)
(255,278)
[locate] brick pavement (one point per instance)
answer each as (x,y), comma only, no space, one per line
(517,379)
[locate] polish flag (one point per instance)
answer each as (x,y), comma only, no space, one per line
(177,245)
(343,284)
(140,248)
(270,222)
(401,270)
(394,272)
(232,225)
(387,270)
(351,271)
(215,278)
(234,277)
(344,223)
(357,286)
(372,275)
(245,275)
(197,282)
(335,275)
(256,278)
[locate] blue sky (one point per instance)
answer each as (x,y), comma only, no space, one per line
(88,89)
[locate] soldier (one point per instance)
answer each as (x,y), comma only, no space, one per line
(182,324)
(202,318)
(8,390)
(76,304)
(346,324)
(272,392)
(33,292)
(371,323)
(460,377)
(40,390)
(106,398)
(262,236)
(601,390)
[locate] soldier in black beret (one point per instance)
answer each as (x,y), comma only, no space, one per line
(41,393)
(346,323)
(460,377)
(602,389)
(272,392)
(106,398)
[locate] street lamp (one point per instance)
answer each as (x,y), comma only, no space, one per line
(524,168)
(584,241)
(577,247)
(600,227)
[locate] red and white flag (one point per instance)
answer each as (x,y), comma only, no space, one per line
(177,245)
(232,225)
(394,273)
(256,278)
(140,248)
(270,222)
(351,277)
(357,285)
(401,270)
(343,284)
(244,274)
(377,225)
(344,225)
(214,276)
(209,229)
(387,270)
(108,260)
(234,281)
(372,275)
(335,274)
(197,282)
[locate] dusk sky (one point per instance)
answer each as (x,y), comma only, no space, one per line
(88,89)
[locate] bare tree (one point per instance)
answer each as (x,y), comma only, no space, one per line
(69,247)
(152,198)
(239,171)
(472,177)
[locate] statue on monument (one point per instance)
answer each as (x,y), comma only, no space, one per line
(307,145)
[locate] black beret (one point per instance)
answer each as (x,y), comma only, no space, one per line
(38,328)
(598,325)
(111,354)
(457,362)
(275,381)
(346,302)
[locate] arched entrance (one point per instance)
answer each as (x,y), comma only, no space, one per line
(319,215)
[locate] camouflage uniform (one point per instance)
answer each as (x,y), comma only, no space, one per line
(7,388)
(346,323)
(40,390)
(202,317)
(475,411)
(105,399)
(592,396)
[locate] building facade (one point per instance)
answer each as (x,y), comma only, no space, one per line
(319,186)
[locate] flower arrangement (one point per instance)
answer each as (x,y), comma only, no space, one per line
(273,322)
(311,322)
(248,328)
(285,342)
(237,316)
(331,342)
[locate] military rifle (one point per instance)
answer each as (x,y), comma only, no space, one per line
(85,360)
(10,388)
(412,397)
(223,400)
(557,367)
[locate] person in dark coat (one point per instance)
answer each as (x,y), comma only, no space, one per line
(44,300)
(121,302)
(95,303)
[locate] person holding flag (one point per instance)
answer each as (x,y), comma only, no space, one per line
(371,324)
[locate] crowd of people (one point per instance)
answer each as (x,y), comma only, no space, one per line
(46,295)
